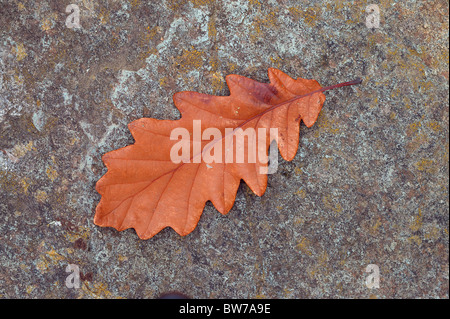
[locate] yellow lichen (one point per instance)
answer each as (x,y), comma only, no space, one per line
(296,12)
(177,4)
(276,62)
(19,51)
(326,125)
(218,82)
(97,290)
(52,174)
(414,127)
(88,4)
(190,60)
(214,63)
(25,182)
(310,16)
(435,126)
(287,292)
(54,256)
(304,246)
(417,224)
(320,268)
(232,67)
(46,25)
(432,233)
(30,289)
(415,239)
(163,81)
(301,193)
(374,103)
(269,21)
(80,232)
(199,3)
(9,182)
(376,226)
(212,31)
(135,3)
(20,150)
(426,165)
(150,34)
(48,259)
(41,196)
(18,79)
(407,102)
(103,16)
(328,203)
(73,141)
(254,2)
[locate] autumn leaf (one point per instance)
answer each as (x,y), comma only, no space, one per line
(163,180)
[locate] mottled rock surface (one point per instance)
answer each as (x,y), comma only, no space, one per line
(369,184)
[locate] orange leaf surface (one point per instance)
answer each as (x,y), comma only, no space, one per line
(145,189)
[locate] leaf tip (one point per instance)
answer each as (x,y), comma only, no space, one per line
(356,81)
(275,72)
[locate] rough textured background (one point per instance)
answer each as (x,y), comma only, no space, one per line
(369,184)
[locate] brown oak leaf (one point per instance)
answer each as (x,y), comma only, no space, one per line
(146,189)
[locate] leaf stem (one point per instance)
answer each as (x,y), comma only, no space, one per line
(354,82)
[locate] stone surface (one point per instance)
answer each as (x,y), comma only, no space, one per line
(369,184)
